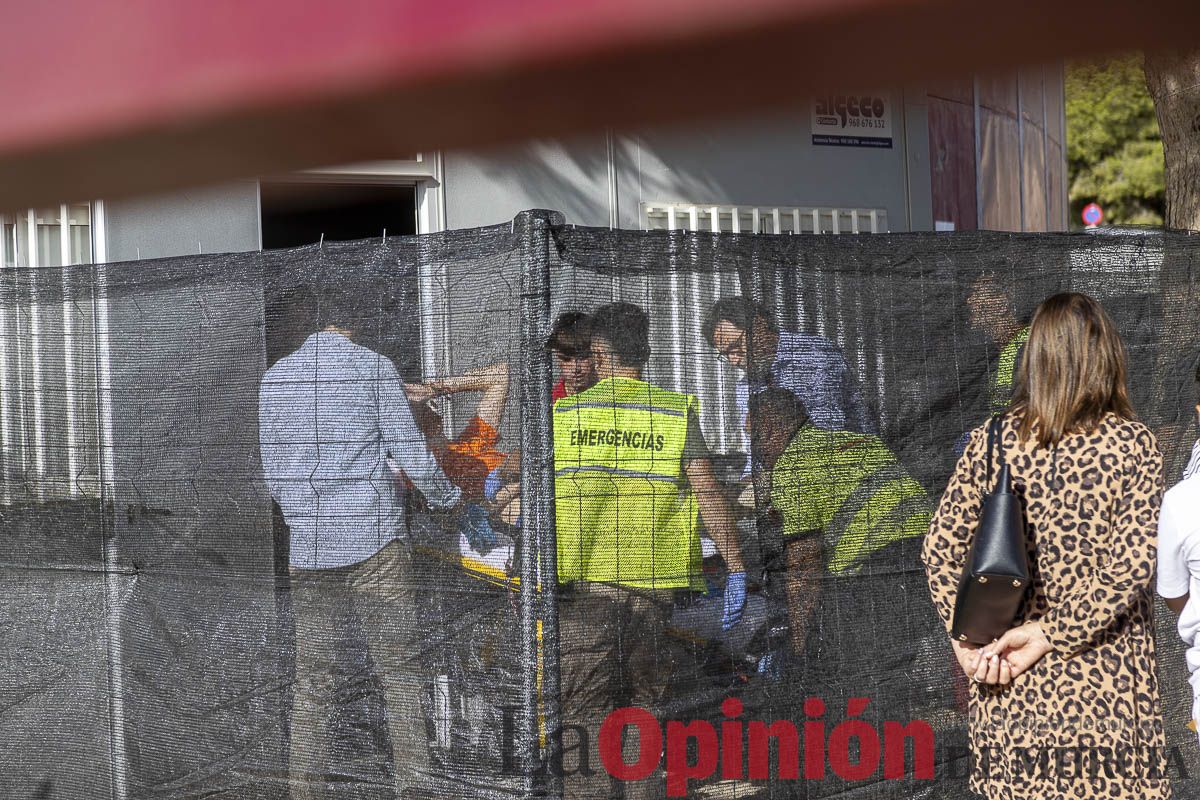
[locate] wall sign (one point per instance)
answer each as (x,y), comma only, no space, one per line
(856,119)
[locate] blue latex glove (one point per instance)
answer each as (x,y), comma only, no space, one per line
(735,599)
(768,666)
(478,529)
(491,484)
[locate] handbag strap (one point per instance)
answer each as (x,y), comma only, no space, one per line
(993,442)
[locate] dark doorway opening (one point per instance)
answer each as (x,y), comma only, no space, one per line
(299,214)
(295,214)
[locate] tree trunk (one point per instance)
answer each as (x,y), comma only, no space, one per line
(1174,82)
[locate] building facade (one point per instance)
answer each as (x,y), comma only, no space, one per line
(982,152)
(975,153)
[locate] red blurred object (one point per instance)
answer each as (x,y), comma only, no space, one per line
(118,98)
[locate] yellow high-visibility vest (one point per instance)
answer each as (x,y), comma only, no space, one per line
(1001,389)
(624,511)
(851,488)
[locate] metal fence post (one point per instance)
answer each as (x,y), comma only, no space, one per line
(106,480)
(539,566)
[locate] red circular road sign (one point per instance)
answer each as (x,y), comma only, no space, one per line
(1092,214)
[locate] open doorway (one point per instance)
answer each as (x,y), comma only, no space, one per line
(295,214)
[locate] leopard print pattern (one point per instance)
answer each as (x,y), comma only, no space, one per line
(1085,721)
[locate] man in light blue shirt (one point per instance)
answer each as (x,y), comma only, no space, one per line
(810,367)
(334,422)
(332,415)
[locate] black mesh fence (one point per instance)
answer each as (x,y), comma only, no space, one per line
(287,524)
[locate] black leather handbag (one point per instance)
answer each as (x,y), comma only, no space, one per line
(997,573)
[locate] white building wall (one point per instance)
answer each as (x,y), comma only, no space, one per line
(768,161)
(217,219)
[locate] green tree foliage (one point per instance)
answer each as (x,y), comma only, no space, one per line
(1114,151)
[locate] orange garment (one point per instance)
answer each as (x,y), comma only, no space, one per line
(469,458)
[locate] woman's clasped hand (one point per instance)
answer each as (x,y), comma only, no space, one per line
(1003,660)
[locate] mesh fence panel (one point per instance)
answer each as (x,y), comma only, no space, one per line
(170,631)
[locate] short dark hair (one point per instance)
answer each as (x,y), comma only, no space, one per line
(780,404)
(626,328)
(737,311)
(571,335)
(1198,382)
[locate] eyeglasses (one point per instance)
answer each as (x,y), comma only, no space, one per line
(738,345)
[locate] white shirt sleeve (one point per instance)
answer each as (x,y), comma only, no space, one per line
(1174,580)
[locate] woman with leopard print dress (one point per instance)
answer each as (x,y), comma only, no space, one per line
(1065,704)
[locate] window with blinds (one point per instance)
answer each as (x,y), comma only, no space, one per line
(49,425)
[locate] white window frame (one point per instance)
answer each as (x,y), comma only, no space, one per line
(77,430)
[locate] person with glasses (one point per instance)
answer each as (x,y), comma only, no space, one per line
(809,366)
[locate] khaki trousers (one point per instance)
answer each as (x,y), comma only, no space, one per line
(380,593)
